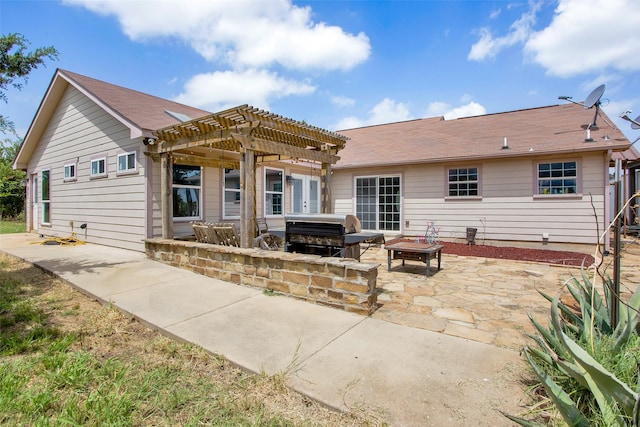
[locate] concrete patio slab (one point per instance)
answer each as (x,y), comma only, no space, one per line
(267,333)
(413,376)
(174,301)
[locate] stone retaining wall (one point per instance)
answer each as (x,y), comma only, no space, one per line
(341,283)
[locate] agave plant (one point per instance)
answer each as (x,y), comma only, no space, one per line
(561,355)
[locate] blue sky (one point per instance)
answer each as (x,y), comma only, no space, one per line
(340,64)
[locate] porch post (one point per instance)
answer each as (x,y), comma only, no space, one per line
(247,198)
(166,195)
(326,188)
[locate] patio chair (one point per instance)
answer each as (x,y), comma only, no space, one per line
(200,231)
(223,234)
(261,226)
(264,239)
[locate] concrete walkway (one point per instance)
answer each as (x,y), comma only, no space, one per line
(405,375)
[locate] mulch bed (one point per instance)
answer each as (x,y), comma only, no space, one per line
(546,256)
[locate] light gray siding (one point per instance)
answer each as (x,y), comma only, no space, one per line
(507,208)
(211,201)
(113,207)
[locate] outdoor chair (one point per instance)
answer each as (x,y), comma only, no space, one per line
(225,234)
(264,239)
(200,231)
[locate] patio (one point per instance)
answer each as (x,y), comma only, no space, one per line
(481,299)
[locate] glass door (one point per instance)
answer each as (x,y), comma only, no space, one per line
(34,202)
(305,194)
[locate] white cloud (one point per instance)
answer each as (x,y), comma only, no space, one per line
(241,33)
(342,101)
(223,89)
(489,46)
(449,112)
(589,36)
(386,111)
(390,111)
(495,13)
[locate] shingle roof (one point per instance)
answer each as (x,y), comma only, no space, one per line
(630,155)
(142,110)
(536,131)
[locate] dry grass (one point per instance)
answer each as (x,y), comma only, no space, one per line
(205,386)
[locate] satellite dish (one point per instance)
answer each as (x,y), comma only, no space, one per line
(635,124)
(594,97)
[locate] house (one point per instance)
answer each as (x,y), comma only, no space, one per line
(118,166)
(627,169)
(537,175)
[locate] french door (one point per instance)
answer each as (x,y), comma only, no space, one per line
(305,194)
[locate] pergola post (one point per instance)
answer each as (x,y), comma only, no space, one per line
(166,195)
(247,198)
(326,188)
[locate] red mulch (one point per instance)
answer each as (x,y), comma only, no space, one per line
(519,254)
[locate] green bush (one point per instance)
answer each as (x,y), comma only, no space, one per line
(587,367)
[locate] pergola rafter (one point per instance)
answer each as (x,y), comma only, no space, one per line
(240,137)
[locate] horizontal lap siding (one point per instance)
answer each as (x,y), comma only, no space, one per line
(507,209)
(113,207)
(211,201)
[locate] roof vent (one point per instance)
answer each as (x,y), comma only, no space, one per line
(588,138)
(505,146)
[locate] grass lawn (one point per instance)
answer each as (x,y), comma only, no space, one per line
(7,227)
(68,360)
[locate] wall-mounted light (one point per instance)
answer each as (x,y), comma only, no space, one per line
(289,179)
(149,141)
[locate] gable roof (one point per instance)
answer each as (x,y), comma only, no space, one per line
(140,112)
(546,130)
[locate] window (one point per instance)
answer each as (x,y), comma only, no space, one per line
(231,193)
(378,202)
(127,162)
(45,200)
(99,167)
(558,178)
(70,172)
(463,182)
(273,191)
(187,186)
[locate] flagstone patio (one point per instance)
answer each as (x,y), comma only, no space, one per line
(481,299)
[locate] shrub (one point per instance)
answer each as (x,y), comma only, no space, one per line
(587,367)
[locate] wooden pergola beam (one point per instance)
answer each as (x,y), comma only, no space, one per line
(217,137)
(263,145)
(252,135)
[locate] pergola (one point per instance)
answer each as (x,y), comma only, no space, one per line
(241,138)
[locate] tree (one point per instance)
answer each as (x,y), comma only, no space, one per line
(12,189)
(15,65)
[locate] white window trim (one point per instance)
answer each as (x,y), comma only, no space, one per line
(478,196)
(131,171)
(578,178)
(44,202)
(200,199)
(224,197)
(267,191)
(378,177)
(104,174)
(73,177)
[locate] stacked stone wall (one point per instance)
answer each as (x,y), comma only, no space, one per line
(342,283)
